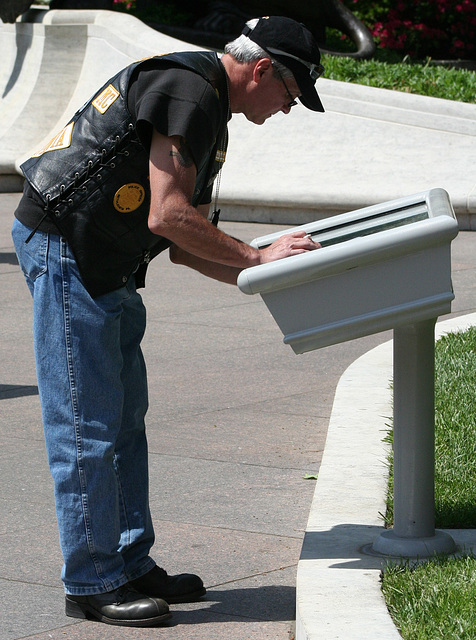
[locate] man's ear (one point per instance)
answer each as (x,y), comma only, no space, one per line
(261,67)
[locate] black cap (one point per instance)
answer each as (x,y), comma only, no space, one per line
(293,45)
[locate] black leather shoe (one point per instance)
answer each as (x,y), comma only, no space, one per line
(123,606)
(184,587)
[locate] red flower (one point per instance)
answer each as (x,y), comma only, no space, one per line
(428,28)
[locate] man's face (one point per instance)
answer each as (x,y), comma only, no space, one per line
(269,93)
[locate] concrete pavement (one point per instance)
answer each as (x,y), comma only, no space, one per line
(236,421)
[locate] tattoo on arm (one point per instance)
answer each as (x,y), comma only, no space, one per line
(182,154)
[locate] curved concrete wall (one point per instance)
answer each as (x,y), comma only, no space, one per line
(371,145)
(53,63)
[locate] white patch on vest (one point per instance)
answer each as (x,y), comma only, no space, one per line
(62,140)
(220,156)
(105,99)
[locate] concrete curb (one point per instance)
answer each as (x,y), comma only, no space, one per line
(338,588)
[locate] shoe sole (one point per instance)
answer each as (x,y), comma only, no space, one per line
(85,612)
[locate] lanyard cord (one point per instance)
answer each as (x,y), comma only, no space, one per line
(216,212)
(221,157)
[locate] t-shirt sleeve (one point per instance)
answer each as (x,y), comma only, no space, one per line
(176,102)
(207,195)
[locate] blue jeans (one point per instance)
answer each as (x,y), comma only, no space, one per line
(93,391)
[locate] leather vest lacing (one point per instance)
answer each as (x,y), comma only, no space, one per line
(93,179)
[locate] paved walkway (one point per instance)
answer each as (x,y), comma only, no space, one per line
(236,421)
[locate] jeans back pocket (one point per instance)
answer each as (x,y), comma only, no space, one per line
(32,256)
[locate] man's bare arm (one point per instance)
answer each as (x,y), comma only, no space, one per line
(221,272)
(172,181)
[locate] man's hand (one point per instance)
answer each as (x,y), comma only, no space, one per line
(172,181)
(290,244)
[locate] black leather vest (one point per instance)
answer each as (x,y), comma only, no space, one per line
(93,178)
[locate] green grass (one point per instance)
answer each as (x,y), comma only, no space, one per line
(435,600)
(410,77)
(455,430)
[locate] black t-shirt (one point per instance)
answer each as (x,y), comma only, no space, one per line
(174,101)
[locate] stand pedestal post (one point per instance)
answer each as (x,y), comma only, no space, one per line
(414,531)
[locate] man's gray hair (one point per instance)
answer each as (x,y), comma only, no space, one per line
(245,50)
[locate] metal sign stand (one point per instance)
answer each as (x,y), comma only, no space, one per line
(414,534)
(383,267)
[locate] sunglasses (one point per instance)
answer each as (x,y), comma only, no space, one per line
(292,102)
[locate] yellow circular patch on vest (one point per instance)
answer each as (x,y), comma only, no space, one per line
(129,197)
